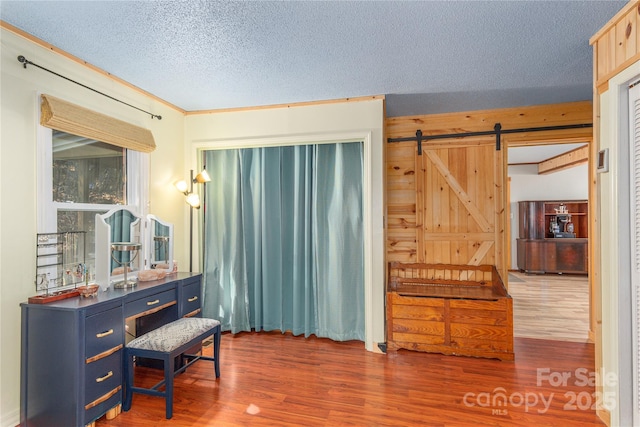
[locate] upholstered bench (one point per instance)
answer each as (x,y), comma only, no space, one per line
(166,343)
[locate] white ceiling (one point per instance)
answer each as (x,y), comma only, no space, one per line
(425,56)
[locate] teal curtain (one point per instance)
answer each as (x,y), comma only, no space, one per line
(284,240)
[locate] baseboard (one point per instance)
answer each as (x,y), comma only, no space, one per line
(10,418)
(380,348)
(604,415)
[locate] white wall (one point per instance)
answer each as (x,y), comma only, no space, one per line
(19,106)
(527,185)
(348,121)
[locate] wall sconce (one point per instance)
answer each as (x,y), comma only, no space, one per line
(193,200)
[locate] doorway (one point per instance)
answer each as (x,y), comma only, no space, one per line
(552,305)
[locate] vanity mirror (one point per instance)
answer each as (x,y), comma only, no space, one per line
(119,246)
(126,241)
(159,244)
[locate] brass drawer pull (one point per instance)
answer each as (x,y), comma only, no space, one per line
(109,375)
(154,302)
(104,334)
(192,299)
(102,398)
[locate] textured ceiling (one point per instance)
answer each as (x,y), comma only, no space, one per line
(425,56)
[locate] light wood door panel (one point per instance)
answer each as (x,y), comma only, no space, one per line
(459,205)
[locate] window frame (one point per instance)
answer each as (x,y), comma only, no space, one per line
(137,185)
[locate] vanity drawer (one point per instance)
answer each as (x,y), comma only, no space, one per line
(102,405)
(150,303)
(102,376)
(103,331)
(191,298)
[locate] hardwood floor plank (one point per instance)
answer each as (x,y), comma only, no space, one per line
(550,306)
(273,379)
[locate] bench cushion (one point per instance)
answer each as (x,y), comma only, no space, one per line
(172,335)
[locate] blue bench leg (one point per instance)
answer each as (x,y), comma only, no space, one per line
(128,373)
(168,376)
(216,350)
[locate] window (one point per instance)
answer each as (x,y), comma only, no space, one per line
(80,177)
(85,171)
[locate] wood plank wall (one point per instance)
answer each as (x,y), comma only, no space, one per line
(617,45)
(406,200)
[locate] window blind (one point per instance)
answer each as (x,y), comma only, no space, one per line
(67,117)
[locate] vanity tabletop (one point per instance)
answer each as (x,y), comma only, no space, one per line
(112,294)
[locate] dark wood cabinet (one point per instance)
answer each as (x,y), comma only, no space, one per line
(531,220)
(540,250)
(553,256)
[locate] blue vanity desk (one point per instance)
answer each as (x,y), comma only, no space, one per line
(71,369)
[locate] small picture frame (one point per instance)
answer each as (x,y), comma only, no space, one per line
(602,161)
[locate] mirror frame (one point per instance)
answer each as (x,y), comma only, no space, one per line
(103,243)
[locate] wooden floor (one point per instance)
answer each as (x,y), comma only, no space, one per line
(550,306)
(271,379)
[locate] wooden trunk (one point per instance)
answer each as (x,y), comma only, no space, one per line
(449,309)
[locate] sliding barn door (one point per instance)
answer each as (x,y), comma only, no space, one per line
(460,204)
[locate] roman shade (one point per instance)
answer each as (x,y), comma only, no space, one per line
(67,117)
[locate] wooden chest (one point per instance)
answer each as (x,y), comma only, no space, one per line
(449,309)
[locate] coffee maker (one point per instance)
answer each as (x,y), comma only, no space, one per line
(561,225)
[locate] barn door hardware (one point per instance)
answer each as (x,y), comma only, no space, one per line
(497,131)
(497,128)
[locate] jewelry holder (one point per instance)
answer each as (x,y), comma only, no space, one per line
(132,249)
(60,266)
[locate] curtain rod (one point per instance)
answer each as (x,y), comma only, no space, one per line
(497,131)
(25,61)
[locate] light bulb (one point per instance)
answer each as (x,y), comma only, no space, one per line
(194,200)
(182,186)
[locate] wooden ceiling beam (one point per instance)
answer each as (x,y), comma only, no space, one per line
(565,161)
